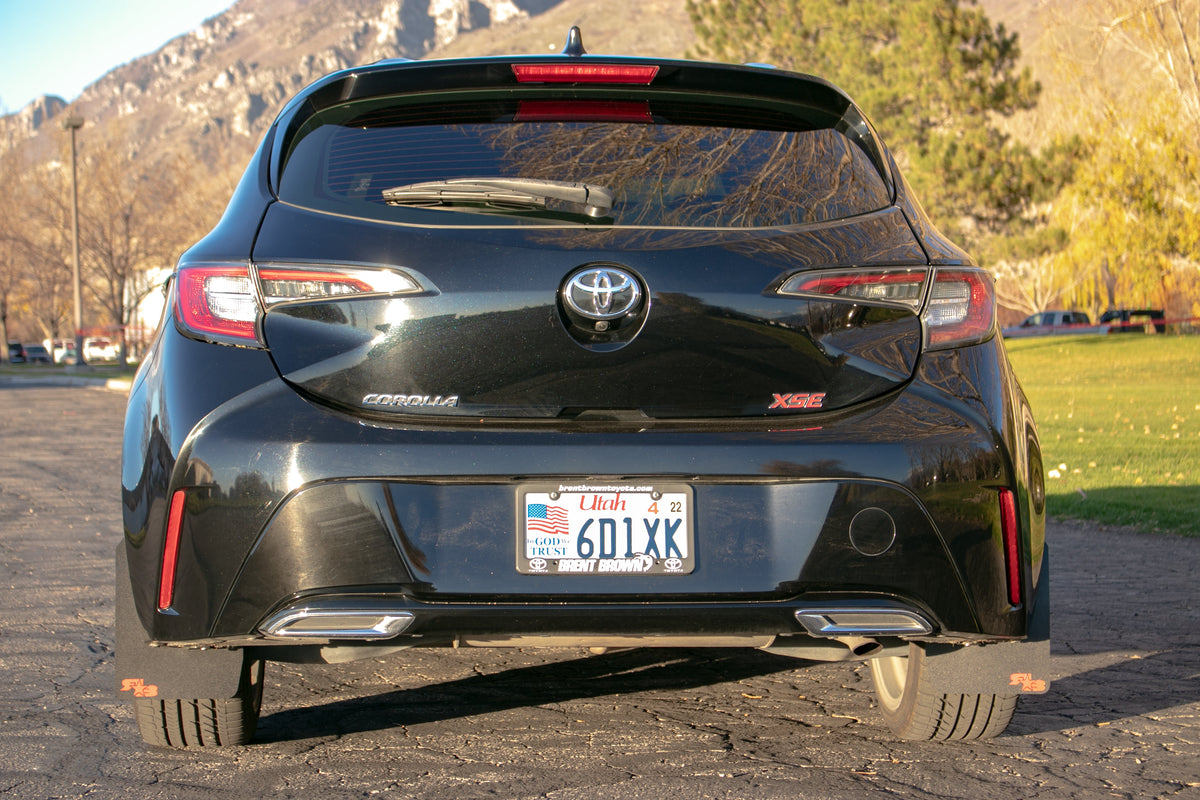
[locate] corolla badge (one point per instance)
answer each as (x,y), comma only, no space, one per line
(410,400)
(602,293)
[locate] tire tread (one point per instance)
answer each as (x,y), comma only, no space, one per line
(202,722)
(926,714)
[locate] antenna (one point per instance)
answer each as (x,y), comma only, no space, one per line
(574,43)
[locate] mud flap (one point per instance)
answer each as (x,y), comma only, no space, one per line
(1004,668)
(168,672)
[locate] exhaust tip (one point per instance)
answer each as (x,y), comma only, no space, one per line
(325,623)
(862,621)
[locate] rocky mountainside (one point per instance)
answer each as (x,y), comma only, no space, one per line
(217,87)
(209,94)
(24,124)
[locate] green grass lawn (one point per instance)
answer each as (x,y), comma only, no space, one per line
(1119,419)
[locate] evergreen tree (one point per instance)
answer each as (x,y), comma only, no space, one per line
(931,74)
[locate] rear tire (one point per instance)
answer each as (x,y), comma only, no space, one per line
(204,722)
(915,709)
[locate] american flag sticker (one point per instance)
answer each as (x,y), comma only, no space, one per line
(542,518)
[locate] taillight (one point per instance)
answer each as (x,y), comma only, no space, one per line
(283,283)
(897,285)
(961,308)
(223,302)
(218,302)
(959,304)
(575,72)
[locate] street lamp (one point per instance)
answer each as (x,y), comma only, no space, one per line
(73,124)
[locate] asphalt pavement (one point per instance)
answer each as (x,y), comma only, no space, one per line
(1122,718)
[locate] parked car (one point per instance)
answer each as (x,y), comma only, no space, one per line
(98,348)
(1050,323)
(1126,320)
(566,350)
(36,354)
(64,351)
(16,353)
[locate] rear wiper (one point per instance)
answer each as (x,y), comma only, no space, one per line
(506,193)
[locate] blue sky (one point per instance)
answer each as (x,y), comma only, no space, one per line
(61,46)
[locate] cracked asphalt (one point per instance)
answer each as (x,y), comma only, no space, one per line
(1122,718)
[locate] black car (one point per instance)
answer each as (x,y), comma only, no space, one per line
(586,351)
(36,354)
(1128,320)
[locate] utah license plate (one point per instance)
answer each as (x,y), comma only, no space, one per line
(605,529)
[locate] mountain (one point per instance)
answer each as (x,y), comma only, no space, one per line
(215,89)
(200,104)
(210,93)
(24,124)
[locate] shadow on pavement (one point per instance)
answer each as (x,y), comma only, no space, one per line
(616,673)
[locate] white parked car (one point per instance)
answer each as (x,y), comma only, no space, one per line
(1049,323)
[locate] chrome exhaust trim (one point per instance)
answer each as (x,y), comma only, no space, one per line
(326,623)
(865,621)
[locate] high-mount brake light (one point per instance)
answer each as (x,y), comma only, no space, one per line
(640,74)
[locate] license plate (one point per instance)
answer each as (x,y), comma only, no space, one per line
(605,529)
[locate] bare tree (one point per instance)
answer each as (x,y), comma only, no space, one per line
(123,232)
(44,246)
(1166,34)
(9,268)
(1036,283)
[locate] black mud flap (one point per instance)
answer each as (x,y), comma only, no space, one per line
(168,672)
(1004,668)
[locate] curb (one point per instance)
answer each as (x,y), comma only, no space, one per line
(111,384)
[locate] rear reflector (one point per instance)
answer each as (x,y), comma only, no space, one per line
(1012,550)
(170,554)
(585,73)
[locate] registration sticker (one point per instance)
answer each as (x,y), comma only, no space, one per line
(605,529)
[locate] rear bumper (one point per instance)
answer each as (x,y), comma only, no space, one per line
(291,501)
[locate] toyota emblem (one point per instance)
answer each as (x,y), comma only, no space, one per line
(602,293)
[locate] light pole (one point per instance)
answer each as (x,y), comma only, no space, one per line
(73,124)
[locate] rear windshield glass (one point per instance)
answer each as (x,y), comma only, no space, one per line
(666,164)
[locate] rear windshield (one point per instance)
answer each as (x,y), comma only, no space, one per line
(669,164)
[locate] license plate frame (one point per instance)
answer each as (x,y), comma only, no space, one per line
(605,528)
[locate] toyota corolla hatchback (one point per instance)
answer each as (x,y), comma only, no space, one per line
(580,351)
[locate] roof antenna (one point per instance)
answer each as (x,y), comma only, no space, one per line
(574,43)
